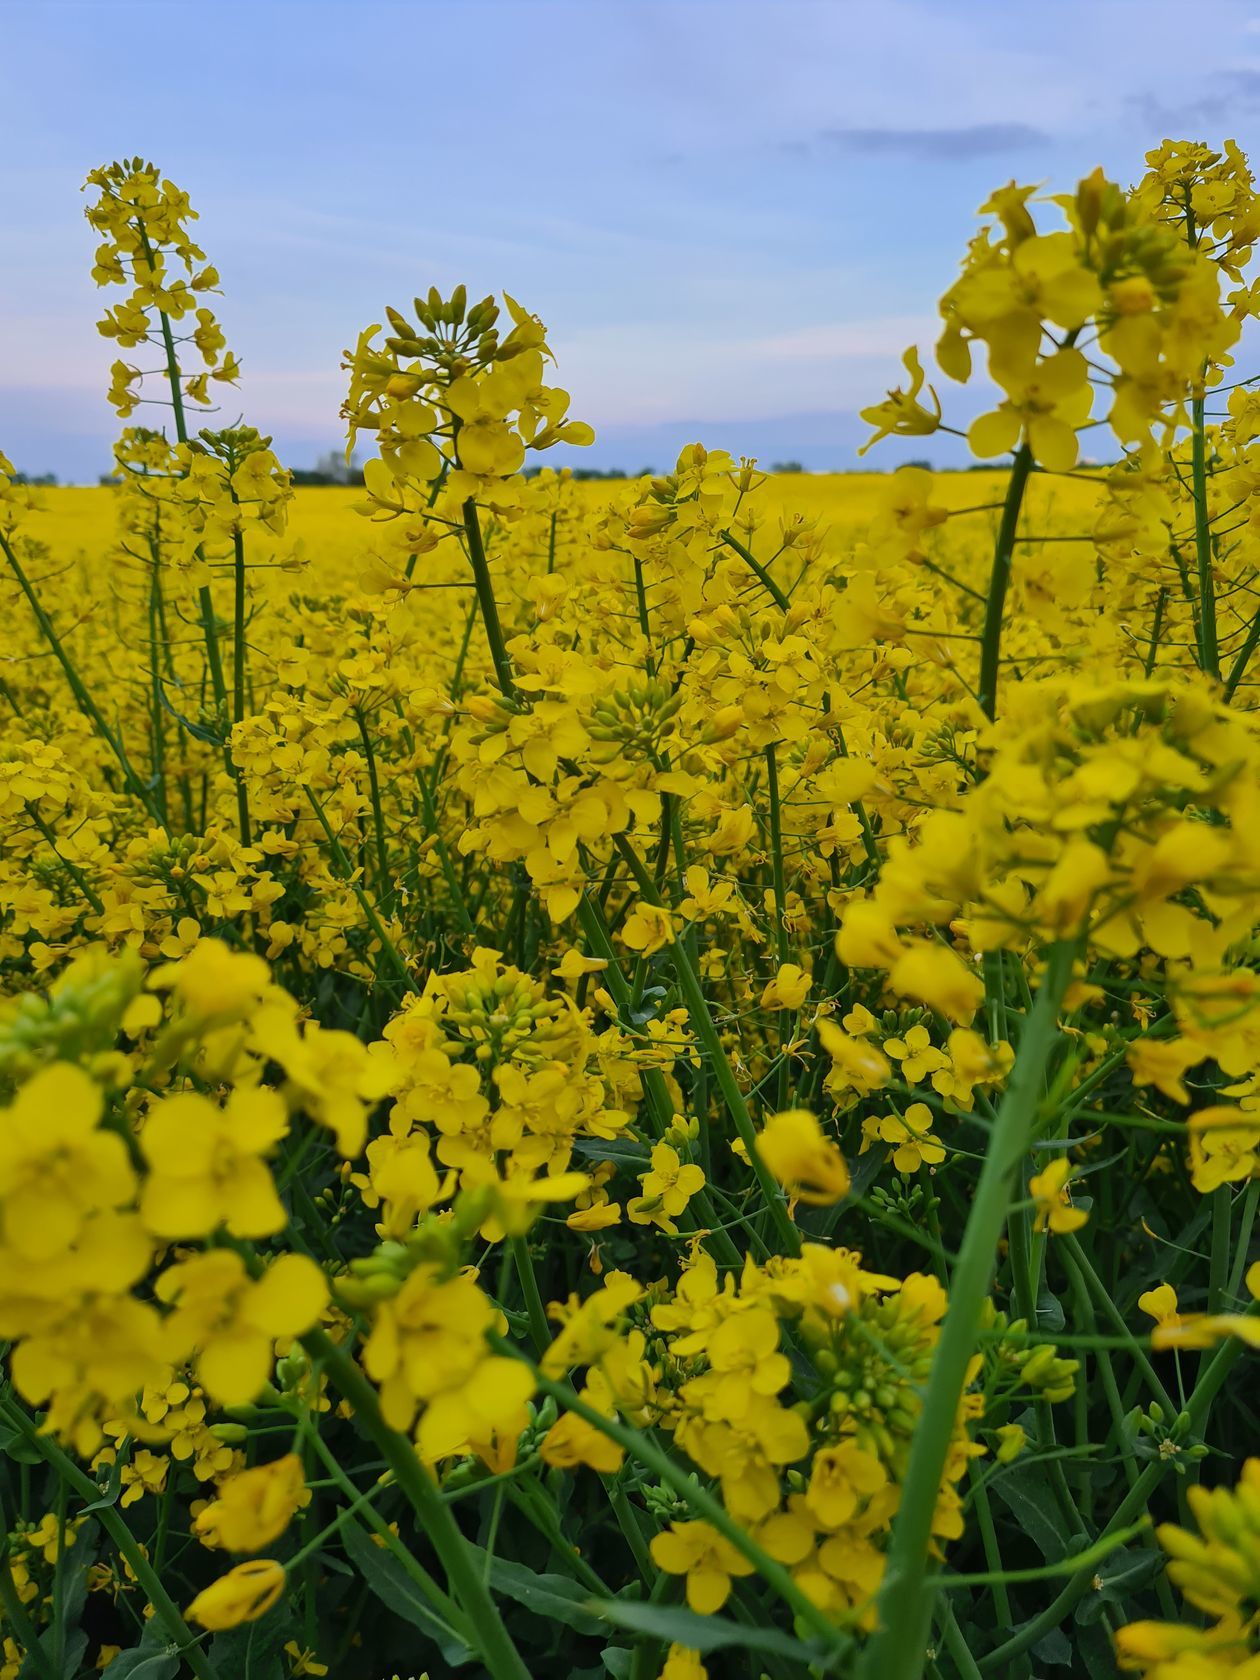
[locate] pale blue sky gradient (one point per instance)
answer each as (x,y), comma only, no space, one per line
(733,216)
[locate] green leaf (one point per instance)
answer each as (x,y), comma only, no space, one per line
(1049,1313)
(381,1571)
(113,1486)
(253,1651)
(612,1149)
(1055,1649)
(139,1664)
(71,1657)
(559,1598)
(154,1658)
(14,1445)
(1095,1653)
(1120,1578)
(704,1633)
(1026,1492)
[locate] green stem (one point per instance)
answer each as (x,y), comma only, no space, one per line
(486,601)
(989,1540)
(1218,1266)
(1239,667)
(659,1104)
(378,815)
(1132,1506)
(759,571)
(897,1651)
(645,1451)
(24,1629)
(956,1643)
(1103,1301)
(523,1261)
(780,913)
(72,869)
(1251,1195)
(164,1607)
(365,904)
(84,700)
(999,581)
(628,1521)
(238,674)
(205,600)
(1209,658)
(710,1043)
(445,1606)
(484,1621)
(157,723)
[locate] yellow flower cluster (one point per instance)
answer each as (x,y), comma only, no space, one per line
(142,221)
(646,1013)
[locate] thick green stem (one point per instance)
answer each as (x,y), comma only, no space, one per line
(898,1649)
(238,674)
(464,1578)
(164,1607)
(759,571)
(1209,657)
(523,1261)
(486,601)
(999,581)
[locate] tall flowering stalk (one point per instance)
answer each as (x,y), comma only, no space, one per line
(643,1075)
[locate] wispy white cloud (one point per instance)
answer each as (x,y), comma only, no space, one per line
(741,207)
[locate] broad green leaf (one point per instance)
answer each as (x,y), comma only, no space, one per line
(557,1597)
(382,1572)
(138,1664)
(706,1633)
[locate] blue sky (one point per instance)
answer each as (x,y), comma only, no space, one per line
(732,215)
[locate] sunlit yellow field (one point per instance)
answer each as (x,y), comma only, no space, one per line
(656,1079)
(76,521)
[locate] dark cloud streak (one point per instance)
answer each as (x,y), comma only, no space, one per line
(939,145)
(1231,95)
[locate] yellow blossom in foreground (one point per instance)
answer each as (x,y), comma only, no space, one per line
(808,1165)
(254,1508)
(705,1557)
(242,1595)
(57,1165)
(229,1322)
(207,1167)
